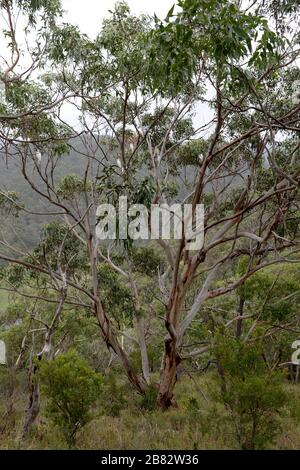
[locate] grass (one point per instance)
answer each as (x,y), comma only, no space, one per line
(195,424)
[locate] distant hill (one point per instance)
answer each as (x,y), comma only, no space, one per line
(24,231)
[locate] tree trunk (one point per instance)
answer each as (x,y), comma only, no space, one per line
(109,337)
(223,380)
(168,378)
(171,358)
(112,343)
(32,410)
(34,401)
(140,326)
(239,323)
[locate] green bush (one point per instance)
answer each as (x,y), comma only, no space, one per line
(149,400)
(9,383)
(252,395)
(71,388)
(113,398)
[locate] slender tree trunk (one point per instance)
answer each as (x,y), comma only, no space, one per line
(33,409)
(109,337)
(239,323)
(113,344)
(223,380)
(140,326)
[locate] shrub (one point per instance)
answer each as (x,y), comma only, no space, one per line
(149,400)
(71,388)
(8,387)
(113,398)
(251,394)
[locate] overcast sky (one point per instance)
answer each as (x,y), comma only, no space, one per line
(88,14)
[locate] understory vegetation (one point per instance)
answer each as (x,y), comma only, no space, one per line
(121,420)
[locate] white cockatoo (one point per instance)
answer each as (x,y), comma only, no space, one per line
(37,159)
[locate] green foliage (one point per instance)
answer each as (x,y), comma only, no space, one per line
(118,297)
(113,396)
(71,388)
(9,204)
(143,192)
(146,260)
(13,274)
(42,12)
(268,290)
(122,37)
(66,42)
(9,388)
(8,382)
(191,152)
(13,337)
(216,29)
(250,392)
(71,185)
(21,95)
(50,6)
(58,244)
(149,400)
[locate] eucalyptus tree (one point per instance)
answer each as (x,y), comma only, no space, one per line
(26,27)
(251,152)
(127,128)
(133,91)
(103,82)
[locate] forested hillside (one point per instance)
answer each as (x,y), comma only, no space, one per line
(26,228)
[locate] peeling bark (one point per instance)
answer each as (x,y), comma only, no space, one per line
(168,378)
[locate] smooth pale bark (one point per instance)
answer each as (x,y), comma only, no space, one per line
(33,409)
(140,327)
(104,322)
(176,330)
(113,344)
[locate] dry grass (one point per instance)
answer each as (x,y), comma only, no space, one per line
(184,427)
